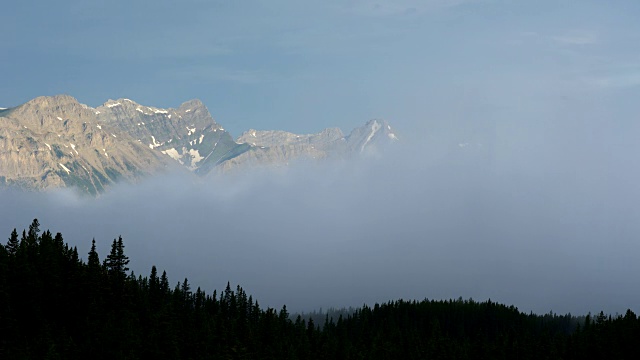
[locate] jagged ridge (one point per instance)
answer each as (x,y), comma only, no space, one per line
(55,141)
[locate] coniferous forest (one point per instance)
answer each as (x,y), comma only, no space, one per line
(54,305)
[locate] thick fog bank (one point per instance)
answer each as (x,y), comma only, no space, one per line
(545,221)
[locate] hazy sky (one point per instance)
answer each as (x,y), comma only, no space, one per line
(516,178)
(307,65)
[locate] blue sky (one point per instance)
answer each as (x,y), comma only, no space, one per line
(306,65)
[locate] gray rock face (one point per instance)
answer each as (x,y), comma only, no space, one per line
(271,138)
(373,136)
(55,141)
(187,134)
(280,147)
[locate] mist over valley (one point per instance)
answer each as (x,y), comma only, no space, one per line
(459,179)
(544,225)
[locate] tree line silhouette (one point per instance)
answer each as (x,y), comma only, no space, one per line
(54,305)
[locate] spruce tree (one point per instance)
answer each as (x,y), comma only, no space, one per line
(93,262)
(116,262)
(122,258)
(34,230)
(154,282)
(164,283)
(13,244)
(186,291)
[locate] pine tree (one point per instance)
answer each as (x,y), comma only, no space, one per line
(154,282)
(153,278)
(13,244)
(164,283)
(93,262)
(284,314)
(124,260)
(186,291)
(34,230)
(116,262)
(23,242)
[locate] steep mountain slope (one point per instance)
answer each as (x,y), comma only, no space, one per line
(55,141)
(372,137)
(187,134)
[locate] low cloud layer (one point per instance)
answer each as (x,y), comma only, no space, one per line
(546,220)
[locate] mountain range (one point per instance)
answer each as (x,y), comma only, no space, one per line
(55,141)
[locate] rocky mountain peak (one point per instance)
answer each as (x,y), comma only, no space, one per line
(59,103)
(374,134)
(52,113)
(193,104)
(51,101)
(279,148)
(55,141)
(188,134)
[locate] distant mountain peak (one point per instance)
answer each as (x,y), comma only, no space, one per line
(192,104)
(54,141)
(49,104)
(376,133)
(52,100)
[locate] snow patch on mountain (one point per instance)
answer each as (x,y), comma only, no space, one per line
(195,158)
(65,168)
(155,144)
(173,153)
(374,129)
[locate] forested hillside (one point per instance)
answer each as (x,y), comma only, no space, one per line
(54,305)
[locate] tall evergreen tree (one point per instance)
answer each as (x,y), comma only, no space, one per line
(13,244)
(34,230)
(93,262)
(154,282)
(122,258)
(116,262)
(164,283)
(186,291)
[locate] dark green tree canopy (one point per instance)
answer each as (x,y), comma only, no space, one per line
(55,306)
